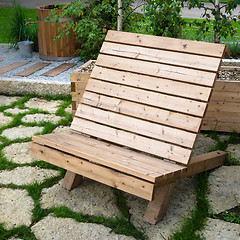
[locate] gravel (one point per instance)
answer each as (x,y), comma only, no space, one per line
(10,55)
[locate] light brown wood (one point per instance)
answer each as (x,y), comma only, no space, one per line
(227,86)
(157,70)
(225,96)
(223,116)
(221,126)
(179,45)
(230,68)
(11,67)
(157,208)
(32,69)
(71,180)
(161,56)
(190,107)
(217,106)
(107,176)
(59,69)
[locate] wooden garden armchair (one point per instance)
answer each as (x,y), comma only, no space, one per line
(139,117)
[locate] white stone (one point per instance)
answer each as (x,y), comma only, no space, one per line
(4,100)
(69,109)
(16,207)
(89,198)
(66,228)
(220,230)
(50,106)
(16,110)
(203,145)
(26,175)
(224,188)
(4,120)
(39,117)
(19,153)
(21,132)
(182,200)
(60,129)
(234,149)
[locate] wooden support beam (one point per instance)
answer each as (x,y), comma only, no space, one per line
(71,180)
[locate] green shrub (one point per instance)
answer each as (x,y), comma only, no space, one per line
(234,48)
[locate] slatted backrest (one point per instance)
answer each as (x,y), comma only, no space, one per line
(149,93)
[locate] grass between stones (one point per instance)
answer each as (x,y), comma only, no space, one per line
(190,228)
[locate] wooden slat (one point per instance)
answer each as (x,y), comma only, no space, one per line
(152,83)
(172,44)
(59,69)
(227,86)
(137,126)
(217,106)
(147,97)
(224,96)
(157,70)
(153,114)
(32,69)
(161,56)
(128,161)
(11,67)
(223,116)
(101,174)
(161,149)
(227,126)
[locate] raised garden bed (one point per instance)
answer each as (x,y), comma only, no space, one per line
(223,112)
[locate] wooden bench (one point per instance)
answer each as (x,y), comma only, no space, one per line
(139,118)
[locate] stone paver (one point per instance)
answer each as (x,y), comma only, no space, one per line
(50,106)
(16,110)
(89,198)
(26,175)
(21,132)
(4,100)
(203,144)
(16,207)
(182,200)
(60,129)
(67,228)
(69,109)
(235,150)
(220,230)
(19,153)
(224,188)
(4,120)
(39,117)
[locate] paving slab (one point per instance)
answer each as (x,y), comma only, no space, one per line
(16,110)
(234,149)
(182,200)
(90,197)
(60,129)
(69,109)
(26,175)
(39,117)
(42,104)
(16,207)
(21,132)
(203,144)
(19,153)
(220,230)
(4,119)
(223,190)
(67,228)
(5,100)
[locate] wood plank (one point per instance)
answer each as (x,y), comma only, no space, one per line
(171,152)
(11,67)
(161,56)
(71,180)
(218,106)
(141,127)
(101,174)
(172,103)
(227,86)
(59,69)
(152,83)
(224,96)
(171,44)
(223,116)
(32,69)
(230,68)
(157,70)
(221,126)
(153,114)
(128,161)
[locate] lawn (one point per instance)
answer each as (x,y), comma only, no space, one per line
(5,18)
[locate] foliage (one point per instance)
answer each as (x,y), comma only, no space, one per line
(165,17)
(221,22)
(18,30)
(234,48)
(97,17)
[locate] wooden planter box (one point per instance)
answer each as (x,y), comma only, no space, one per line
(223,112)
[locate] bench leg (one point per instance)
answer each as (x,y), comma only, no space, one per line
(71,180)
(156,208)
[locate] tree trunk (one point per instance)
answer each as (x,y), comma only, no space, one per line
(216,34)
(119,25)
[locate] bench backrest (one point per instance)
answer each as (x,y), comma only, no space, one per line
(149,93)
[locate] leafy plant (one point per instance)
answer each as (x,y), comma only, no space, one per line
(165,17)
(97,17)
(234,48)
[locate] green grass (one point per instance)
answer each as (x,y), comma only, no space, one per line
(5,16)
